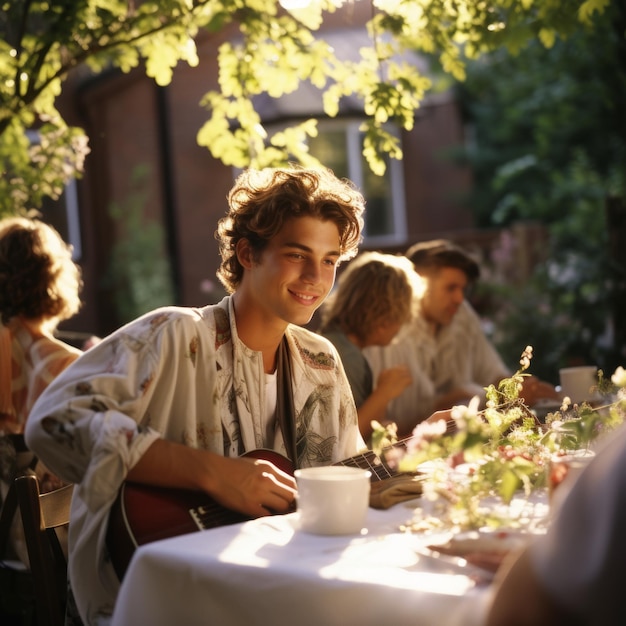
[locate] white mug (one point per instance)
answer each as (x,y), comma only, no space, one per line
(332,500)
(576,382)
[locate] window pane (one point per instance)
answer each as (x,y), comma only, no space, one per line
(339,146)
(379,218)
(329,147)
(63,215)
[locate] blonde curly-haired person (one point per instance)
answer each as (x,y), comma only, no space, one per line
(373,299)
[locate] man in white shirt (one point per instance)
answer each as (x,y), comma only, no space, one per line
(175,398)
(450,358)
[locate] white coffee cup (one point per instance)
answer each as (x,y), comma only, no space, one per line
(332,500)
(576,382)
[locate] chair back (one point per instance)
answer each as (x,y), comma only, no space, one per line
(41,514)
(17,595)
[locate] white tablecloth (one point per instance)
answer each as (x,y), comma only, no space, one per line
(268,572)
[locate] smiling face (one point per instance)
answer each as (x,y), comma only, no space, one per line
(293,276)
(445,292)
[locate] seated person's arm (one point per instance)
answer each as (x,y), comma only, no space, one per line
(520,600)
(251,486)
(534,389)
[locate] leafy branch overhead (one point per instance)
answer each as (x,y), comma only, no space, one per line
(267,50)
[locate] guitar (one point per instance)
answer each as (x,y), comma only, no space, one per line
(145,513)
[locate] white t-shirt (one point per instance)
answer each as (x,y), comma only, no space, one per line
(269,416)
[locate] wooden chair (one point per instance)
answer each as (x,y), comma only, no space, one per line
(17,596)
(41,515)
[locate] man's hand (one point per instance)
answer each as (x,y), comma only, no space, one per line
(393,381)
(253,486)
(534,390)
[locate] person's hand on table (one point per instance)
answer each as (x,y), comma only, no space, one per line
(534,390)
(490,561)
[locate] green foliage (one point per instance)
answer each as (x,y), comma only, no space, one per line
(41,43)
(503,449)
(550,147)
(139,273)
(37,167)
(271,51)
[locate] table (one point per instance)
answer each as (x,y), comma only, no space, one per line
(266,571)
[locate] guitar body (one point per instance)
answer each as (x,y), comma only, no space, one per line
(144,513)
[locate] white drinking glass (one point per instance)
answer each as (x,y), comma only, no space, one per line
(332,500)
(577,382)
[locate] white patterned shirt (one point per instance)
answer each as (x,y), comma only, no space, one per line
(184,375)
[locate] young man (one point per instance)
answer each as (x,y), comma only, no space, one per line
(174,398)
(450,358)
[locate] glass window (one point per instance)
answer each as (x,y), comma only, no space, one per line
(339,146)
(63,213)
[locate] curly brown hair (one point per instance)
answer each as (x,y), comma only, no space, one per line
(375,287)
(38,279)
(261,201)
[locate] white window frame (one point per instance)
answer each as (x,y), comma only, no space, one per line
(356,174)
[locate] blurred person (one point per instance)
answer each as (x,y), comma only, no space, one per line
(176,397)
(39,288)
(573,574)
(450,358)
(374,297)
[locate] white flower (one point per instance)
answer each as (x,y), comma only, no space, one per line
(527,355)
(462,414)
(619,377)
(424,433)
(430,430)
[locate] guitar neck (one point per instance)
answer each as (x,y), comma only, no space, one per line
(383,466)
(369,461)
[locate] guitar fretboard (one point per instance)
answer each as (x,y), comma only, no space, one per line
(369,461)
